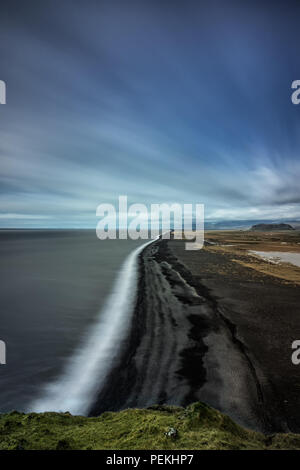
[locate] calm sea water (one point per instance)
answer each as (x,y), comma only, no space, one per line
(53,284)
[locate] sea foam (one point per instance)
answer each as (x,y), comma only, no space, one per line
(86,371)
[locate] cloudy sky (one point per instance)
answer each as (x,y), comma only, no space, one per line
(162,101)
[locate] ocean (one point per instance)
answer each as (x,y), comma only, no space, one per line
(65,303)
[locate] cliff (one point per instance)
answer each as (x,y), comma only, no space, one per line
(159,427)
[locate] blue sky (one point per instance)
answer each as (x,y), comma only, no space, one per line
(184,102)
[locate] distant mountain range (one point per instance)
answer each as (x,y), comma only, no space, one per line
(247,224)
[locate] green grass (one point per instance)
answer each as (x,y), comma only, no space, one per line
(198,427)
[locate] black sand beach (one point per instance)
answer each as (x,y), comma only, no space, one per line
(206,329)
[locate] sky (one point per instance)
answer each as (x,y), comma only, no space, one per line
(162,101)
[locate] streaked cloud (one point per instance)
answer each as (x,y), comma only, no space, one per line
(188,102)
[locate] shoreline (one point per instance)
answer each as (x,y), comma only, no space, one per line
(197,373)
(182,347)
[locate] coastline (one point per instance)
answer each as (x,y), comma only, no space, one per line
(183,347)
(86,369)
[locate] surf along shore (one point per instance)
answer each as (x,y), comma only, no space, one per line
(214,325)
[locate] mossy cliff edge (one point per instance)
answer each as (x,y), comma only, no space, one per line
(159,427)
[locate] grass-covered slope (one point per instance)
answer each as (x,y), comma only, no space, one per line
(197,427)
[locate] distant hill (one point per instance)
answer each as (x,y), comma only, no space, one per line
(246,224)
(271,227)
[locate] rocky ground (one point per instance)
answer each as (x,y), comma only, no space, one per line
(260,303)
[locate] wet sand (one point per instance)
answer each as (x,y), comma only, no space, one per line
(206,328)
